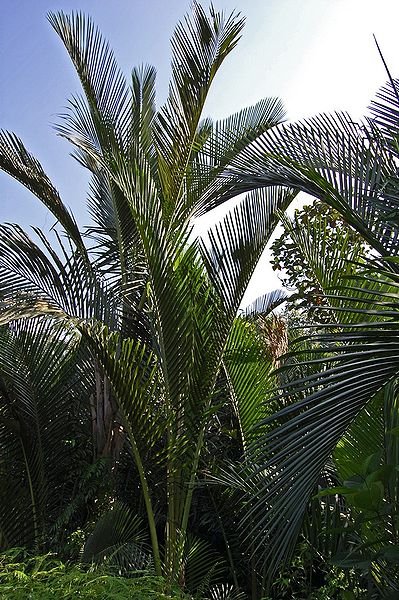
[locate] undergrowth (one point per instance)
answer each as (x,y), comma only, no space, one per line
(45,577)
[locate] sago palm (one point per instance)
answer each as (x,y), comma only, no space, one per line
(42,459)
(154,306)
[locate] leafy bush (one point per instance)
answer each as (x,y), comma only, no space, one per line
(45,577)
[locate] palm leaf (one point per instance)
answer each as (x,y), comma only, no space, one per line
(364,437)
(118,540)
(143,110)
(238,242)
(346,164)
(225,592)
(36,372)
(36,282)
(265,304)
(209,185)
(356,362)
(384,109)
(249,377)
(199,47)
(203,565)
(20,164)
(102,81)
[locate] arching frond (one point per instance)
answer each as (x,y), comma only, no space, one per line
(103,83)
(346,164)
(350,365)
(37,389)
(33,283)
(199,45)
(118,540)
(265,304)
(206,185)
(238,242)
(20,164)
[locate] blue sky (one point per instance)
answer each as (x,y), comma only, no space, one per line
(318,55)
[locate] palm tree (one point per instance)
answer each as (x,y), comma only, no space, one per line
(41,389)
(352,362)
(154,307)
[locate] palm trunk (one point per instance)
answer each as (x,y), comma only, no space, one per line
(106,427)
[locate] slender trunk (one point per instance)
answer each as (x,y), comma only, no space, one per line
(180,495)
(148,503)
(35,516)
(174,543)
(226,542)
(171,524)
(106,427)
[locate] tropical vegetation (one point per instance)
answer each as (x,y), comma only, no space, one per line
(157,440)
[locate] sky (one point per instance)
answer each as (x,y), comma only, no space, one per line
(317,55)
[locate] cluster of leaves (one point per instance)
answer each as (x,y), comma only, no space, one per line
(44,578)
(333,379)
(309,576)
(317,228)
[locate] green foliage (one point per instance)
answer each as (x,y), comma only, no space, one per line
(367,486)
(331,377)
(41,459)
(45,577)
(315,248)
(309,576)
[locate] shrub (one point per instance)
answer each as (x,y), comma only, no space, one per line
(46,578)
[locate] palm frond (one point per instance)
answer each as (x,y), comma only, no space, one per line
(236,132)
(20,164)
(203,565)
(264,305)
(345,164)
(118,249)
(134,375)
(119,541)
(36,282)
(103,83)
(199,47)
(238,242)
(37,360)
(226,592)
(364,437)
(143,109)
(249,376)
(209,185)
(350,366)
(385,111)
(218,144)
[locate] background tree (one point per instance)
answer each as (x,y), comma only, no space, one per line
(300,255)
